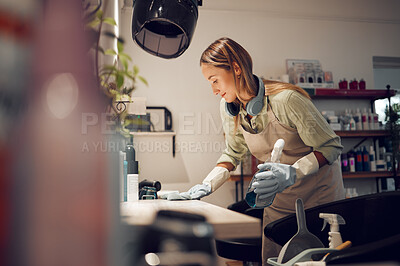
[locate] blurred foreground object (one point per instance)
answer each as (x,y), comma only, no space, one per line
(62,202)
(177,238)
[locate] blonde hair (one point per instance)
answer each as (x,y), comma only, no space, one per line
(224,52)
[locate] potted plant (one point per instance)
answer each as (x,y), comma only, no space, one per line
(118,80)
(392,118)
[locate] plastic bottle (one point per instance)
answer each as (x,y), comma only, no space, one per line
(352,163)
(251,197)
(334,220)
(346,120)
(354,192)
(345,84)
(345,163)
(361,84)
(352,122)
(366,164)
(132,174)
(372,161)
(348,194)
(376,121)
(358,119)
(359,160)
(371,119)
(364,119)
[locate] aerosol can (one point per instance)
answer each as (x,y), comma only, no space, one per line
(335,239)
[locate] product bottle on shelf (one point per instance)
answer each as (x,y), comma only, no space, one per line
(352,122)
(371,119)
(357,118)
(372,161)
(364,118)
(354,192)
(376,121)
(345,163)
(345,84)
(366,164)
(352,163)
(359,160)
(346,120)
(361,84)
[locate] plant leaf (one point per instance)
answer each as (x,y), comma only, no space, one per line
(110,21)
(135,70)
(119,80)
(125,55)
(99,14)
(124,63)
(120,46)
(94,23)
(142,79)
(110,52)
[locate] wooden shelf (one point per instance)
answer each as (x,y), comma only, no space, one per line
(378,174)
(322,93)
(362,133)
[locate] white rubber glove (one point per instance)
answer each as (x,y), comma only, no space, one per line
(282,176)
(306,165)
(216,177)
(211,183)
(273,178)
(197,192)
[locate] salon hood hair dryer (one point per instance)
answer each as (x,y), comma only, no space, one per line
(164,28)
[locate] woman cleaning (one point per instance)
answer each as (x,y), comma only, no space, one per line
(255,114)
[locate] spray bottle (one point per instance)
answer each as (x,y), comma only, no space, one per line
(251,197)
(335,239)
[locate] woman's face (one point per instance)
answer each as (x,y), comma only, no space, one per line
(221,80)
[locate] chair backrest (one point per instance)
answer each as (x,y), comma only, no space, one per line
(368,218)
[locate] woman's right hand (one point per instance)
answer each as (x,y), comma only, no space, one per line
(273,178)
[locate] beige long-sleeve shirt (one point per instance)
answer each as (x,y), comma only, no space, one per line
(292,109)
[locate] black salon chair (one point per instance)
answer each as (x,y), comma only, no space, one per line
(247,250)
(372,225)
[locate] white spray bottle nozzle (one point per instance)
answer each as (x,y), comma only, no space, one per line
(334,220)
(277,151)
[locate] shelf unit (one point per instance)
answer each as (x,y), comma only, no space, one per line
(333,94)
(322,93)
(372,95)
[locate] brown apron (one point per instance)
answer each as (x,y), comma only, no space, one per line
(324,186)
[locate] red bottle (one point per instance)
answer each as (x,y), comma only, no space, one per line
(361,84)
(344,84)
(353,85)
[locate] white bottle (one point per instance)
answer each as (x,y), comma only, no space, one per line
(364,118)
(133,187)
(335,239)
(371,119)
(352,123)
(372,161)
(376,121)
(345,119)
(358,120)
(354,192)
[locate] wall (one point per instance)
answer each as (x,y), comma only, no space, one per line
(343,35)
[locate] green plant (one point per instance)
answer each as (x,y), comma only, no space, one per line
(117,81)
(393,124)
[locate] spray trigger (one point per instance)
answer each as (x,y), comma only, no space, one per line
(323,227)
